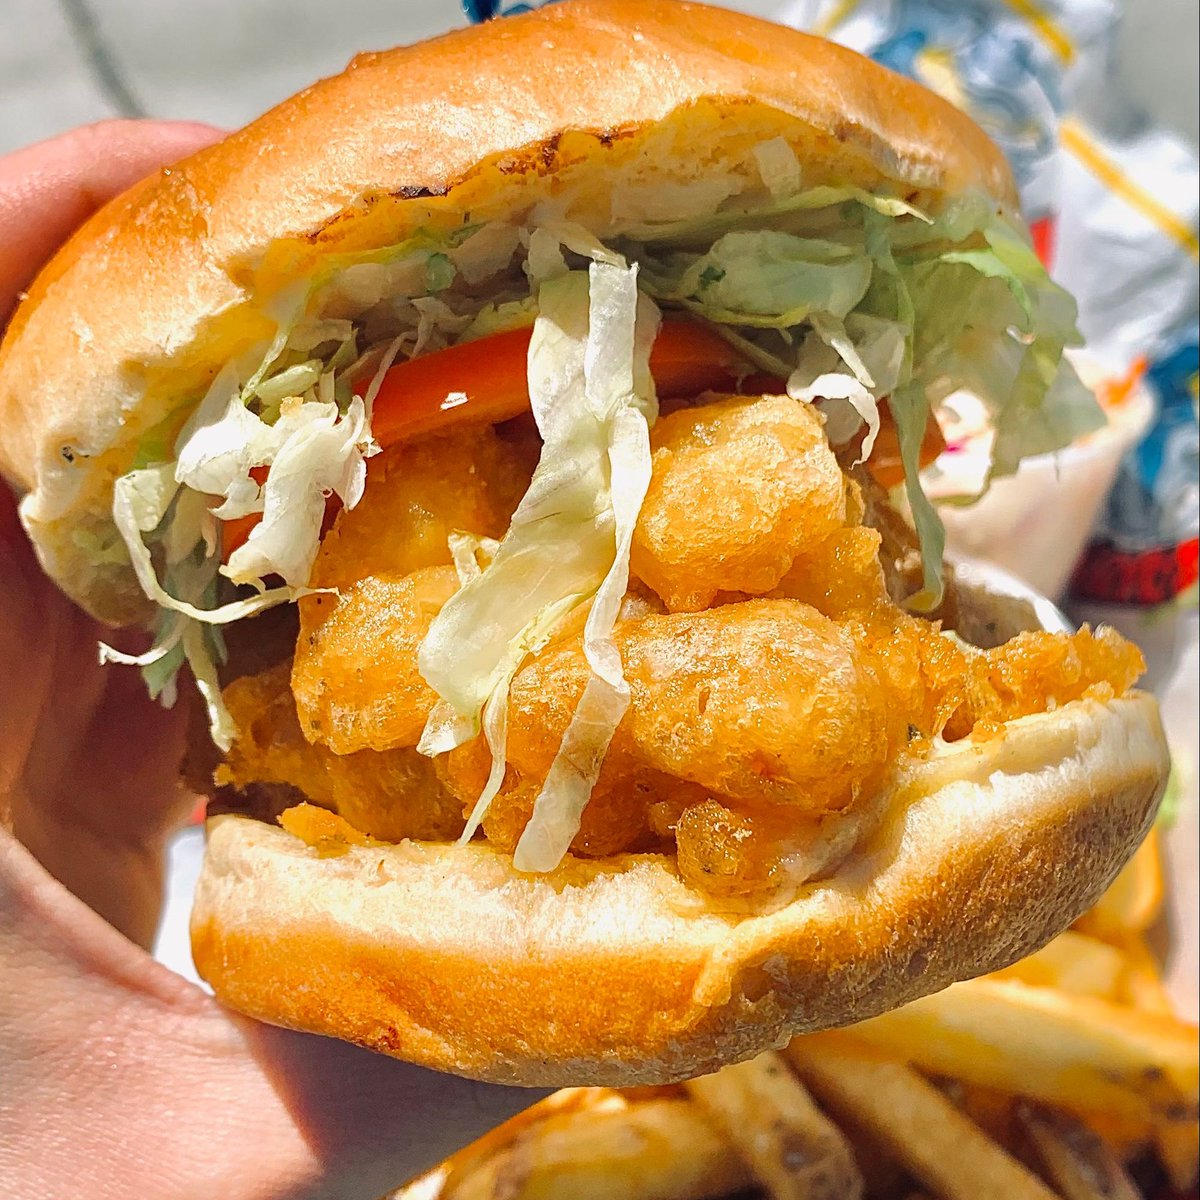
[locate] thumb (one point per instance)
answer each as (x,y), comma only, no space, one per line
(48,189)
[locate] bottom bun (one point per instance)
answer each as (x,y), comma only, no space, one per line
(613,972)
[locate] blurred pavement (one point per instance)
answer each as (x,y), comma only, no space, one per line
(65,62)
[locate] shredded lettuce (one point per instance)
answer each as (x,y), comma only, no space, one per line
(592,398)
(910,411)
(855,298)
(1036,401)
(1175,796)
(465,552)
(766,278)
(779,167)
(813,212)
(141,504)
(286,405)
(312,449)
(324,452)
(500,318)
(621,330)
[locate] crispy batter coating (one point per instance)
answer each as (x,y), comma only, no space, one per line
(838,576)
(736,833)
(616,819)
(1037,671)
(756,728)
(742,489)
(418,493)
(765,702)
(752,728)
(328,834)
(726,852)
(355,676)
(923,669)
(391,795)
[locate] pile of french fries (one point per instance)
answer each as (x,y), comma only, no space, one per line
(1066,1075)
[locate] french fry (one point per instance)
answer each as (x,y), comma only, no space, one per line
(948,1154)
(1072,1052)
(790,1146)
(1179,1151)
(646,1151)
(1134,900)
(1142,985)
(1129,1139)
(992,1111)
(882,1175)
(1076,1160)
(565,1100)
(1073,962)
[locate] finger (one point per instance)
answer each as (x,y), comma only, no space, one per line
(99,1042)
(371,1122)
(47,190)
(89,765)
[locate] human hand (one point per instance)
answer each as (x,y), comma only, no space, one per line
(121,1078)
(89,765)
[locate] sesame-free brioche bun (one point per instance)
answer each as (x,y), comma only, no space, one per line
(614,972)
(128,323)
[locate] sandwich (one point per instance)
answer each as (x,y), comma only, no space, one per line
(504,438)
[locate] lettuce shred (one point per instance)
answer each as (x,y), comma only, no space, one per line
(856,298)
(568,544)
(287,409)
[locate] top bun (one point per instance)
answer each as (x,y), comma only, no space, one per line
(130,320)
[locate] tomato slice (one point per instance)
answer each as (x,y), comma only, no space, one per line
(234,532)
(885,462)
(485,382)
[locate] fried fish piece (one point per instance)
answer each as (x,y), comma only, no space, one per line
(391,795)
(740,488)
(747,499)
(355,676)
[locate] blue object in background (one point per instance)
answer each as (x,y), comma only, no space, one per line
(1155,498)
(1008,79)
(485,10)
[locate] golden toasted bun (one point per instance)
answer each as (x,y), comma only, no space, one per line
(129,322)
(615,973)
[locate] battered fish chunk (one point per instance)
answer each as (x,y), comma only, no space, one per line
(764,701)
(726,853)
(758,730)
(741,489)
(1036,672)
(616,819)
(391,795)
(840,575)
(355,676)
(417,494)
(754,731)
(753,728)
